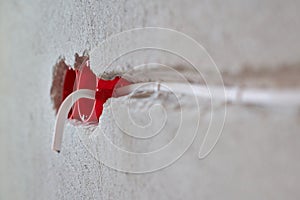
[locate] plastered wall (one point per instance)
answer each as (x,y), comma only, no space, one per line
(256,157)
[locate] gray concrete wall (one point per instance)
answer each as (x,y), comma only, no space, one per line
(257,155)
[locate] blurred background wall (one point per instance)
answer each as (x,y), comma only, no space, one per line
(257,156)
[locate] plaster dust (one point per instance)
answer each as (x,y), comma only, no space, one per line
(256,157)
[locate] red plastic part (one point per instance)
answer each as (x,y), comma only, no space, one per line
(88,110)
(69,81)
(105,90)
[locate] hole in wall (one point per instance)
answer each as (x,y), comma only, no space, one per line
(62,71)
(68,79)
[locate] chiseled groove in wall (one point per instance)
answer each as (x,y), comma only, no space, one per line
(283,76)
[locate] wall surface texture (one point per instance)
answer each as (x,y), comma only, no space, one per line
(257,156)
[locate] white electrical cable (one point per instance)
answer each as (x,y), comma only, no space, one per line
(63,112)
(270,97)
(229,94)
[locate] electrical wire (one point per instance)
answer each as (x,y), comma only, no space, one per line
(271,97)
